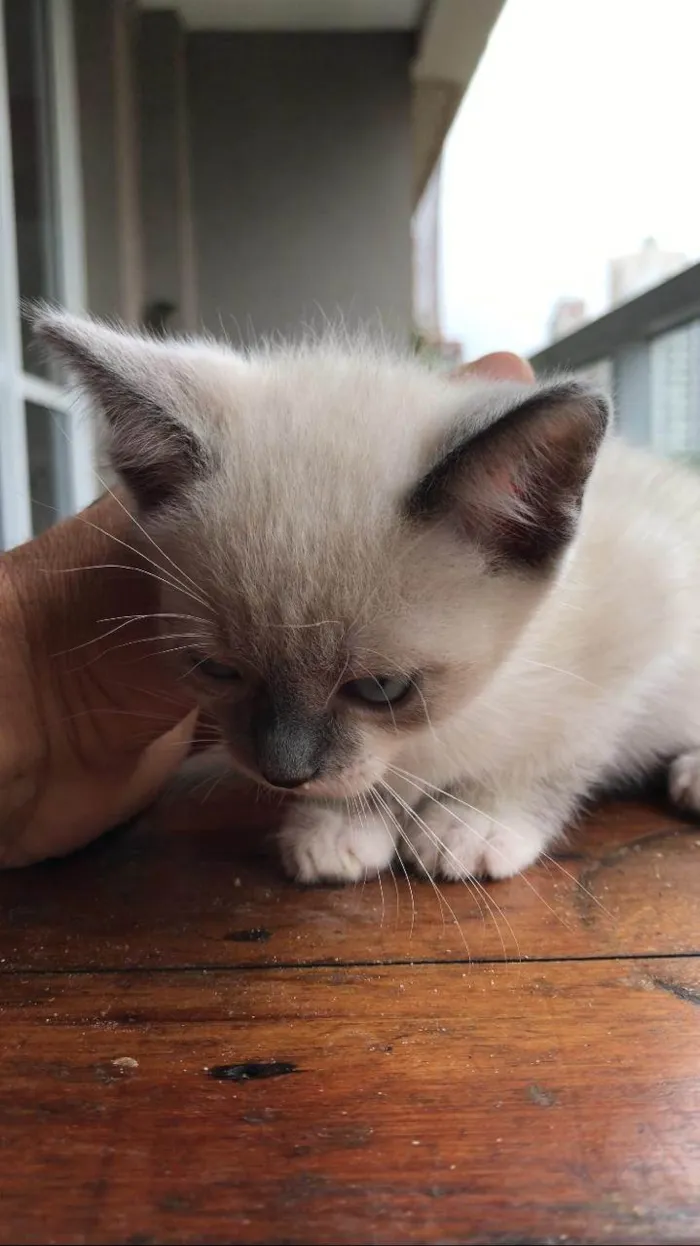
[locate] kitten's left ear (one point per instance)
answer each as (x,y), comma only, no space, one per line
(515,487)
(141,388)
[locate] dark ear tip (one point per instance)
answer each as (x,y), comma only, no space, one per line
(580,395)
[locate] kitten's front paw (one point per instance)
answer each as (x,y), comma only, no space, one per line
(318,844)
(684,781)
(451,841)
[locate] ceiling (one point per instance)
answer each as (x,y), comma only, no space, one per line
(450,38)
(295,14)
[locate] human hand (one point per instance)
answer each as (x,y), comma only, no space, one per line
(93,725)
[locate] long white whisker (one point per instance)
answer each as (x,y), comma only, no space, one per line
(94,640)
(405,774)
(360,813)
(119,566)
(378,802)
(442,899)
(351,812)
(144,640)
(148,536)
(559,670)
(162,652)
(60,425)
(170,614)
(368,812)
(572,877)
(127,619)
(170,579)
(479,836)
(108,709)
(475,886)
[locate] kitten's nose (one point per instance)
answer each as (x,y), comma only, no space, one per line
(289,744)
(288,781)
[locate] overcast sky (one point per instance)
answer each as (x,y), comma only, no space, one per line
(578,138)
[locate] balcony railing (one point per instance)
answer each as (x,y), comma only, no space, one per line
(647,354)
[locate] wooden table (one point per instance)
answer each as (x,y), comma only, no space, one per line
(196,1051)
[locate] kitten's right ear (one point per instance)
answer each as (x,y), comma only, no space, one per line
(515,486)
(140,388)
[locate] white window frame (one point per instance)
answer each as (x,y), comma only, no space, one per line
(71,436)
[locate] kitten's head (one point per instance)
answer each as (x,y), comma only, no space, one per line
(350,543)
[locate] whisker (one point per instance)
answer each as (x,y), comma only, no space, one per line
(365,806)
(521,873)
(61,426)
(559,670)
(127,619)
(572,877)
(143,640)
(113,537)
(546,857)
(359,815)
(374,794)
(171,614)
(117,566)
(443,902)
(162,652)
(160,696)
(291,627)
(474,885)
(107,709)
(169,578)
(441,898)
(148,536)
(94,640)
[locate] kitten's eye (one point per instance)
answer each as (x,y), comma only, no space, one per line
(378,690)
(213,669)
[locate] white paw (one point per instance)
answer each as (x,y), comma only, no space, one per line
(324,845)
(684,781)
(451,841)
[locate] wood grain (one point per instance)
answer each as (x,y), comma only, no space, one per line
(176,893)
(196,1051)
(430,1104)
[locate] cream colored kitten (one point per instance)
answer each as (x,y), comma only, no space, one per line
(443,613)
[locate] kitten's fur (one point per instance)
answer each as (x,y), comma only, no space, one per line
(347,515)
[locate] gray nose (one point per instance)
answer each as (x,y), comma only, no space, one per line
(289,744)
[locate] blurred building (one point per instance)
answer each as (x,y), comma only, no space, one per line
(674,365)
(249,166)
(426,259)
(567,315)
(630,275)
(427,293)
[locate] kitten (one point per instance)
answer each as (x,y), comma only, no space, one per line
(442,612)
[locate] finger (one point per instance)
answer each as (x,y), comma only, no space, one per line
(98,808)
(158,763)
(501,365)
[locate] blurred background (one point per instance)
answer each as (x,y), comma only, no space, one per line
(472,175)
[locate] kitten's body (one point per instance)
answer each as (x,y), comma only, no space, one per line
(348,518)
(602,685)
